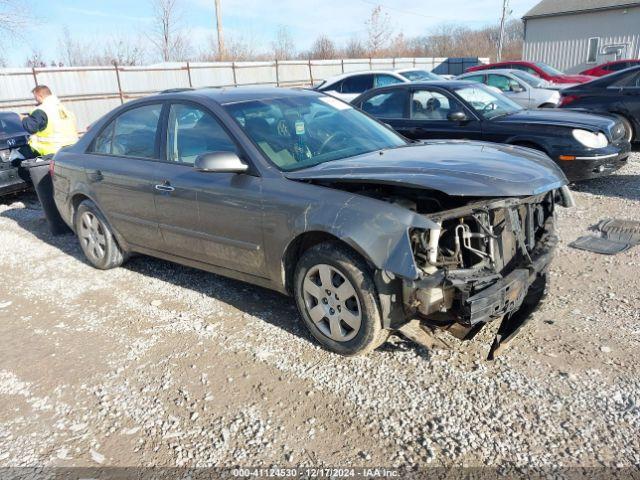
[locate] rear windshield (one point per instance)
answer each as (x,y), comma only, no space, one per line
(10,123)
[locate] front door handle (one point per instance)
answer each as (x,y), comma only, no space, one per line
(165,187)
(95,176)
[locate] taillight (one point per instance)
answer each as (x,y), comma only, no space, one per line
(51,167)
(567,99)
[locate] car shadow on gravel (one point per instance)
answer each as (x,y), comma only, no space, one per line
(32,220)
(621,186)
(267,305)
(262,303)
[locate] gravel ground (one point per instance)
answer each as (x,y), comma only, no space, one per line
(155,364)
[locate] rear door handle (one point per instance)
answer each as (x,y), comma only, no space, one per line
(165,187)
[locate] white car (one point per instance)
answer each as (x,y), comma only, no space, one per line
(419,75)
(349,85)
(523,88)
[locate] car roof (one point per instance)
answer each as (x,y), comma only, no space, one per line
(508,71)
(361,72)
(227,95)
(614,62)
(446,84)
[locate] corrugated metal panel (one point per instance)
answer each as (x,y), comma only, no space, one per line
(294,73)
(322,69)
(153,79)
(211,74)
(16,83)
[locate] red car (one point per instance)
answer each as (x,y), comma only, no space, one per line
(610,67)
(538,69)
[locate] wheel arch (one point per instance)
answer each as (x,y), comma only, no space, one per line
(304,241)
(528,143)
(76,199)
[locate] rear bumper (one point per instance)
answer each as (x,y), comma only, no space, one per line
(11,182)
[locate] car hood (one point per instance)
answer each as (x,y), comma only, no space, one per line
(573,79)
(458,168)
(560,118)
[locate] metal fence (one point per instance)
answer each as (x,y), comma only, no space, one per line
(90,92)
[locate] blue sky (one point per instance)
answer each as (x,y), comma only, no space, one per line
(254,20)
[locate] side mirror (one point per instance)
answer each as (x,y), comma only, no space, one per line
(457,117)
(517,88)
(220,162)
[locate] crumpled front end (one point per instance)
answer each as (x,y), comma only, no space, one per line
(481,262)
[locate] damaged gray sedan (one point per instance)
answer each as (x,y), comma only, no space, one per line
(298,192)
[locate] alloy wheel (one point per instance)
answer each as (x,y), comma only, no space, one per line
(92,237)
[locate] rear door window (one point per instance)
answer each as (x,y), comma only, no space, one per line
(133,133)
(502,82)
(357,84)
(383,80)
(474,78)
(387,105)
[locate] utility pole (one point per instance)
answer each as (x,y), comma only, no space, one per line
(221,52)
(502,21)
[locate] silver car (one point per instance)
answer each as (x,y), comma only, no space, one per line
(521,87)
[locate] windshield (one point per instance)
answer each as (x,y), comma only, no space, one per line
(549,70)
(299,132)
(420,75)
(535,82)
(486,102)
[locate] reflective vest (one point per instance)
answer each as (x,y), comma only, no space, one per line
(61,129)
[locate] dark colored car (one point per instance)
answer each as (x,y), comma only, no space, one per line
(299,192)
(585,146)
(538,69)
(13,138)
(611,67)
(618,94)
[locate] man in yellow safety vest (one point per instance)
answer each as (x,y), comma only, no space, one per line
(50,124)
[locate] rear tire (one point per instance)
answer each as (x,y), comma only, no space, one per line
(96,237)
(547,105)
(337,299)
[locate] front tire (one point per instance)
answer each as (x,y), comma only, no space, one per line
(337,299)
(628,127)
(96,238)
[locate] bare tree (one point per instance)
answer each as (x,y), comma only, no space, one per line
(121,51)
(323,48)
(378,30)
(283,46)
(167,34)
(13,19)
(72,53)
(354,49)
(35,59)
(235,49)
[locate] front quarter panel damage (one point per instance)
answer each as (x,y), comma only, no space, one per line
(376,229)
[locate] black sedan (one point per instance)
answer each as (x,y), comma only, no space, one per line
(618,94)
(12,139)
(585,146)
